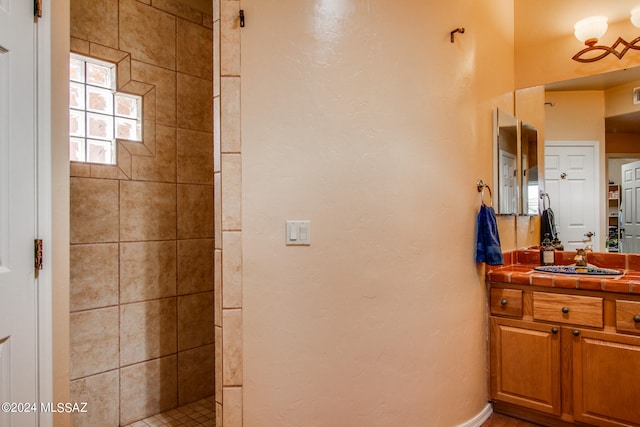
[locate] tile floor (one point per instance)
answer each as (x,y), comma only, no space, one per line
(199,413)
(202,414)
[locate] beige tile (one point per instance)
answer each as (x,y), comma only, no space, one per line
(148,33)
(195,266)
(232,407)
(105,171)
(148,388)
(217,286)
(232,269)
(195,320)
(124,71)
(195,157)
(216,58)
(79,46)
(147,211)
(95,21)
(217,210)
(147,330)
(94,210)
(147,270)
(194,49)
(94,341)
(165,94)
(195,211)
(195,374)
(101,393)
(230,38)
(219,414)
(161,166)
(124,161)
(207,21)
(218,363)
(216,10)
(94,276)
(231,192)
(108,54)
(80,169)
(194,103)
(179,9)
(216,134)
(232,348)
(230,115)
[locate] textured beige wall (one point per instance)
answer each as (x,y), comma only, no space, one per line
(363,118)
(142,232)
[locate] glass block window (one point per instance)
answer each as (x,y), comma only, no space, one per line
(98,115)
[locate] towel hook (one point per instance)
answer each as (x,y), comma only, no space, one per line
(544,194)
(481,186)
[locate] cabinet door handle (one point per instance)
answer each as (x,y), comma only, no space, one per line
(503,301)
(565,310)
(554,331)
(575,332)
(636,318)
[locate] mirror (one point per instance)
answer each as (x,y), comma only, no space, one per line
(569,116)
(506,174)
(529,167)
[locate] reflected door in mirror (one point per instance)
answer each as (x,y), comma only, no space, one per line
(506,173)
(529,166)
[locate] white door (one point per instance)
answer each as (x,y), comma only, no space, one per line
(508,183)
(631,208)
(571,177)
(18,303)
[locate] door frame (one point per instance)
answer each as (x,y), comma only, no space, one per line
(44,214)
(600,193)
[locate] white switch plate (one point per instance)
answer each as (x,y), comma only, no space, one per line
(298,233)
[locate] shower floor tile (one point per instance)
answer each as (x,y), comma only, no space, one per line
(197,414)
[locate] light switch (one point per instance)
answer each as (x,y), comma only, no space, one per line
(298,233)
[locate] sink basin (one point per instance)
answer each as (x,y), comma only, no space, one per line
(589,270)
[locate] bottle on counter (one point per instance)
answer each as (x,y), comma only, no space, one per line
(547,251)
(557,244)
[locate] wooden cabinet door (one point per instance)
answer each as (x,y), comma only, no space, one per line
(525,364)
(606,378)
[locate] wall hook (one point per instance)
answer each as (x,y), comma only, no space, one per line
(457,30)
(241,18)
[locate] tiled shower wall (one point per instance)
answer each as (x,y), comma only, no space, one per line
(228,212)
(142,232)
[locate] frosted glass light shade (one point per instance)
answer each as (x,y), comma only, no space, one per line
(635,16)
(590,29)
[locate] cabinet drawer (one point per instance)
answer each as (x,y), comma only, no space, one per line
(574,309)
(628,316)
(506,302)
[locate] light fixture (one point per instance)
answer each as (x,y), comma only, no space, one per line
(589,30)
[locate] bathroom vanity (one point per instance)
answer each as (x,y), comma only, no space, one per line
(565,349)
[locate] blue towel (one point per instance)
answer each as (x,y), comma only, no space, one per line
(488,242)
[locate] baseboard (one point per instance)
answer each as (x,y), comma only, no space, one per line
(479,418)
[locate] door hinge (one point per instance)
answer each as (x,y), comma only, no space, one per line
(37,8)
(37,260)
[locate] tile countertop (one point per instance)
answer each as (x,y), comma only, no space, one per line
(518,269)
